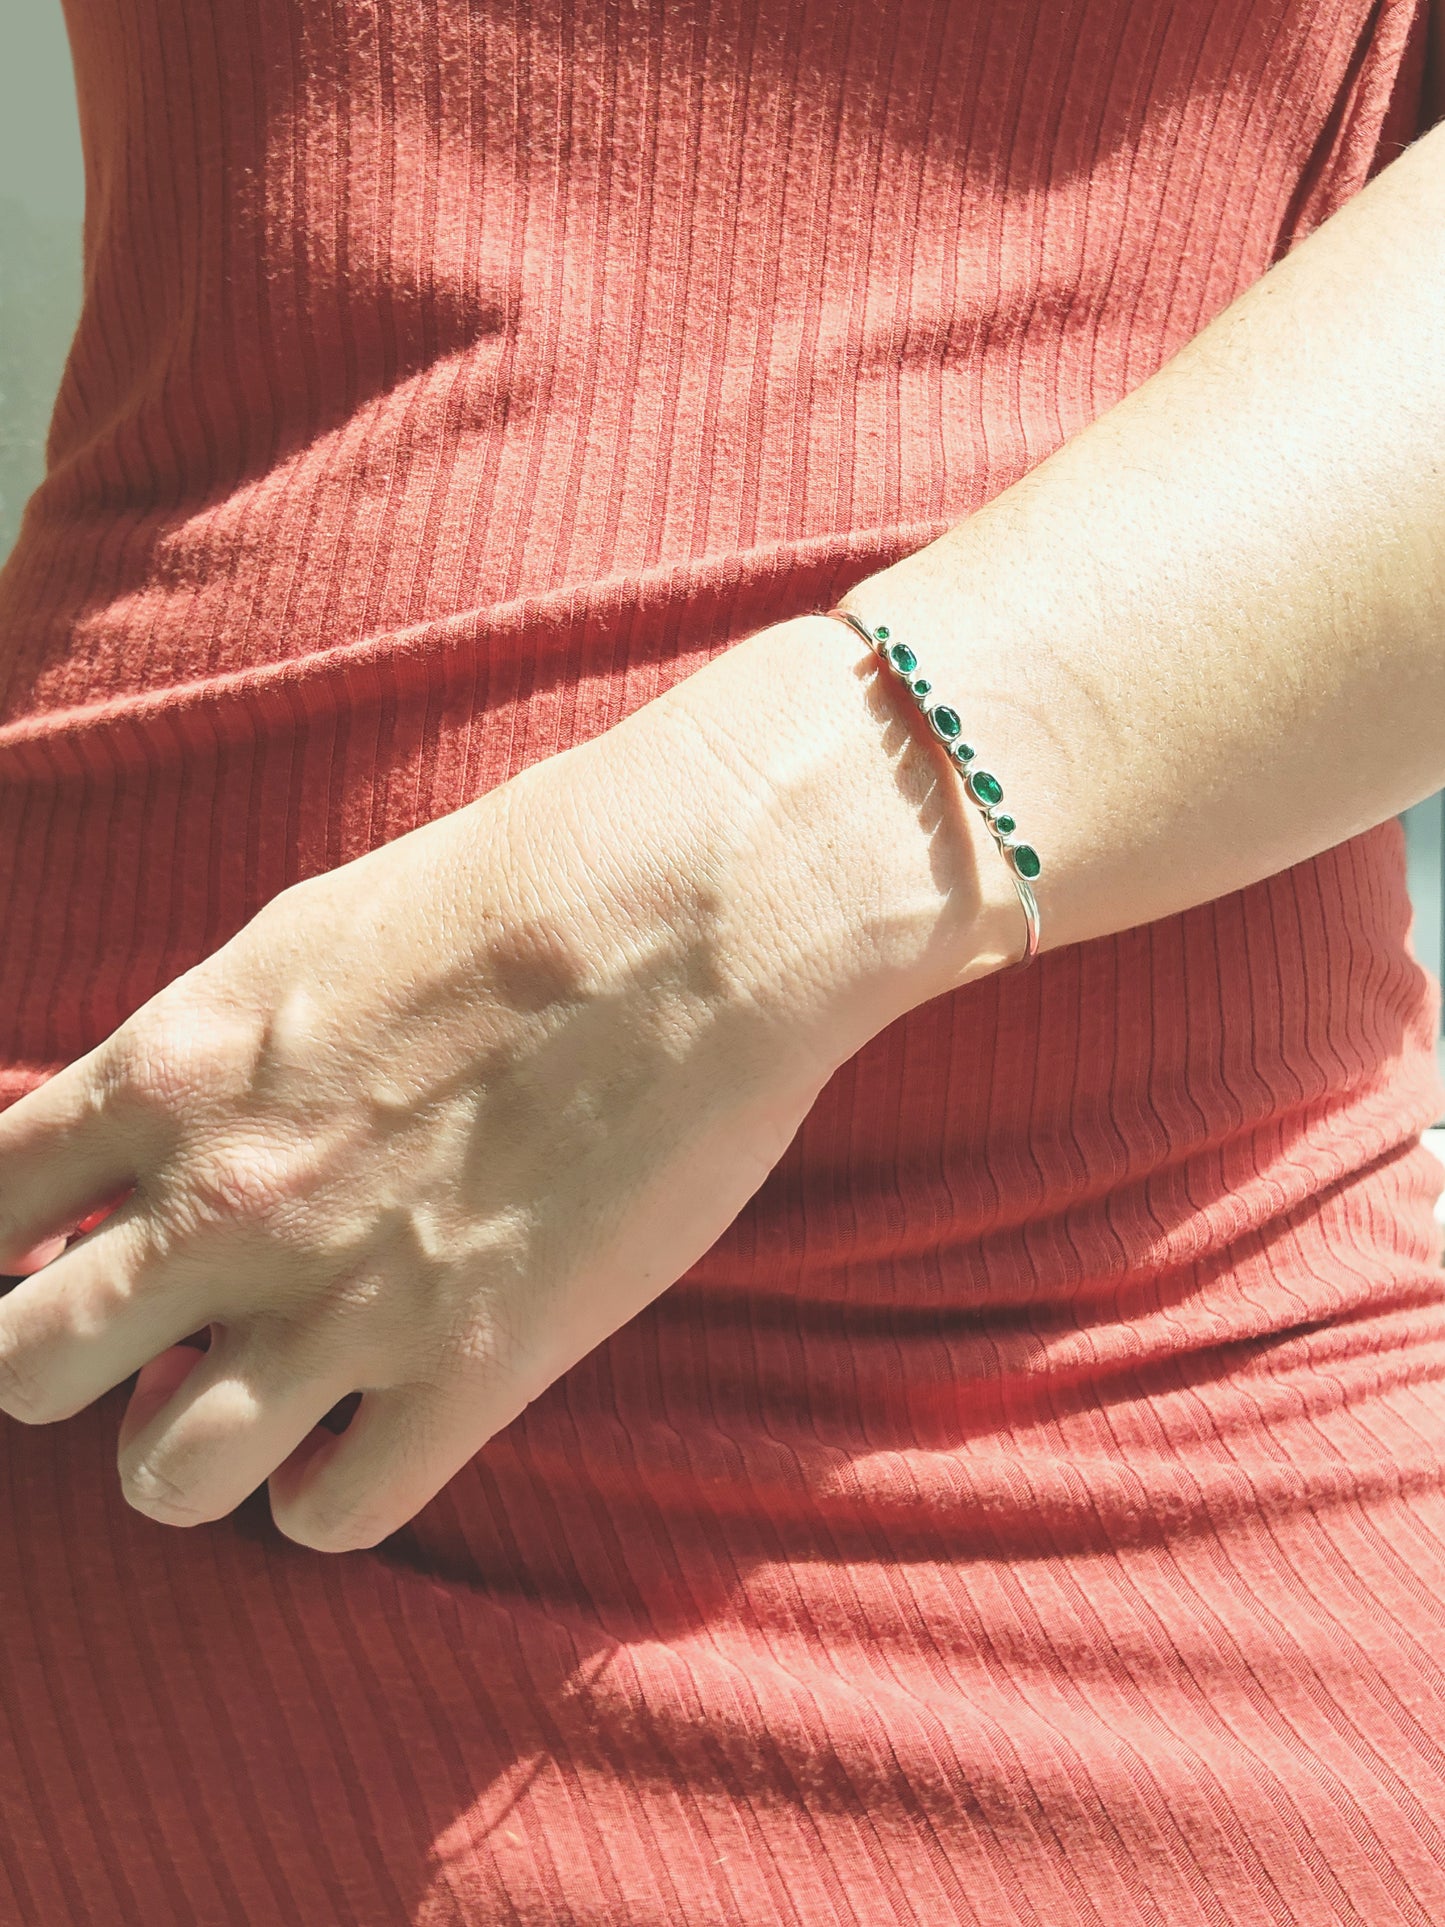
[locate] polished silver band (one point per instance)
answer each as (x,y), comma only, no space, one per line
(981,786)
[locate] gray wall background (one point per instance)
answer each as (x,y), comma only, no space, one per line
(42,198)
(41,204)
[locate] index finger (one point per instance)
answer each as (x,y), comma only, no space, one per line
(64,1150)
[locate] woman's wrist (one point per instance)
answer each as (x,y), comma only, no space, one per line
(855,878)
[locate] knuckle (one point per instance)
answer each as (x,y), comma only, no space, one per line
(338,1301)
(148,1490)
(360,1325)
(24,1397)
(241,1180)
(189,1049)
(166,1053)
(497,1354)
(338,1525)
(278,1357)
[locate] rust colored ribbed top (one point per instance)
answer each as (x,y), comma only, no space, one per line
(1030,1510)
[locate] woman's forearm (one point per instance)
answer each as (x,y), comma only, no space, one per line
(1201,642)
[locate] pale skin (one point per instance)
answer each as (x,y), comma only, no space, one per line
(433,1125)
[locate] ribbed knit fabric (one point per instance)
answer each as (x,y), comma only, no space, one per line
(1032,1509)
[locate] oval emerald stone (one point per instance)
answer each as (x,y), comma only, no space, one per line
(901,656)
(947,722)
(986,788)
(1025,859)
(1005,824)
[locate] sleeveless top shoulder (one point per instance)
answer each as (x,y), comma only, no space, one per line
(1030,1510)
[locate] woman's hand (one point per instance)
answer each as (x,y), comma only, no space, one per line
(428,1128)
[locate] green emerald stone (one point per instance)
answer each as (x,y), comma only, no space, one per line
(986,788)
(947,722)
(1005,824)
(921,685)
(1025,859)
(963,753)
(901,656)
(881,634)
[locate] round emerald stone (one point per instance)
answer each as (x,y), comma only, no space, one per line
(946,722)
(1005,824)
(986,788)
(963,753)
(901,656)
(1025,859)
(881,633)
(921,685)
